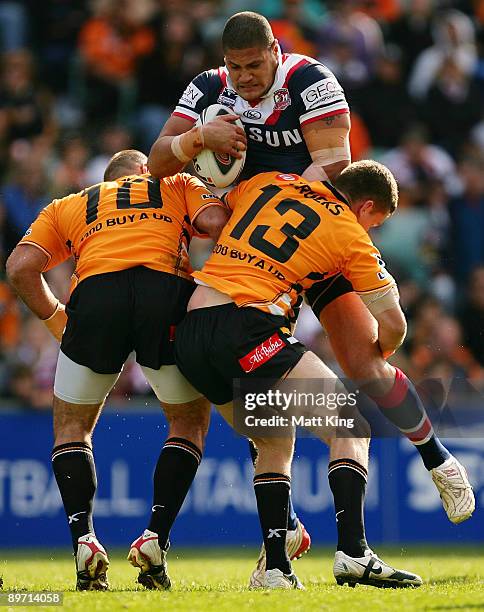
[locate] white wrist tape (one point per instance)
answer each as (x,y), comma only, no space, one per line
(178,151)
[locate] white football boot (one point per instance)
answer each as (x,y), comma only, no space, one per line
(146,554)
(298,542)
(276,579)
(371,570)
(91,564)
(455,490)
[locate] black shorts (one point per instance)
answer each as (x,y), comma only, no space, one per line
(324,292)
(216,345)
(112,314)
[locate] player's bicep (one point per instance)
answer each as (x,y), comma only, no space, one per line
(176,125)
(328,143)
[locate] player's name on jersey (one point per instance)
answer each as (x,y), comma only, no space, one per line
(254,260)
(125,220)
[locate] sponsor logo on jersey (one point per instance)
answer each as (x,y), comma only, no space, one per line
(274,138)
(286,177)
(322,92)
(191,95)
(28,232)
(227,97)
(262,353)
(282,99)
(252,114)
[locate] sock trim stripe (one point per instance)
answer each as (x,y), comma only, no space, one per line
(84,450)
(268,482)
(413,429)
(185,448)
(359,470)
(347,460)
(397,393)
(266,479)
(423,434)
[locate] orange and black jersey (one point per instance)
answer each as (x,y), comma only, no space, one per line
(284,235)
(136,220)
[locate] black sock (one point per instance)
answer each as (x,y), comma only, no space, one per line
(176,468)
(347,479)
(402,407)
(272,494)
(75,473)
(291,516)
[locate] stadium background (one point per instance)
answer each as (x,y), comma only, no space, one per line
(81,80)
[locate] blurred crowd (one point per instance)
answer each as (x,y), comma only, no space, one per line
(81,80)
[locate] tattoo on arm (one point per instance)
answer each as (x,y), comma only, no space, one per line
(329,120)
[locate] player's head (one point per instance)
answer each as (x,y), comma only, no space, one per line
(371,190)
(251,54)
(124,163)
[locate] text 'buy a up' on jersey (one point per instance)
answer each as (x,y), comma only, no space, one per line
(284,235)
(303,91)
(136,220)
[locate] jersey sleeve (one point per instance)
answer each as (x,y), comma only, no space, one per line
(46,234)
(196,96)
(198,197)
(317,93)
(364,268)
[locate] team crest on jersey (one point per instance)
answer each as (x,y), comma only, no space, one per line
(227,97)
(286,177)
(282,99)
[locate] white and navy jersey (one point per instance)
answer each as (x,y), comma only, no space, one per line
(303,91)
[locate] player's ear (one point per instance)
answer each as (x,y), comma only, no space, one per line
(275,48)
(144,169)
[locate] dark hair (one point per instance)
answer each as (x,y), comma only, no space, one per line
(370,180)
(246,30)
(124,163)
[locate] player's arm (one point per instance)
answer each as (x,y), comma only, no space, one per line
(324,117)
(208,214)
(328,143)
(180,140)
(364,268)
(40,249)
(24,272)
(392,325)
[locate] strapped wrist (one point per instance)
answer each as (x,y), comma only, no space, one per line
(185,146)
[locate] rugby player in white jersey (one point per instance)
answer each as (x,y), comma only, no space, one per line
(296,120)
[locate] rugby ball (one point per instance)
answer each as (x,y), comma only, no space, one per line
(217,169)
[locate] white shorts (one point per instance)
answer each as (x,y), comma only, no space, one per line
(77,384)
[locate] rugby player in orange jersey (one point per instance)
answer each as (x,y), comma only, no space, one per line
(296,119)
(129,237)
(286,238)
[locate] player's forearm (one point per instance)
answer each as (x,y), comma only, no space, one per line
(170,154)
(32,290)
(212,220)
(161,161)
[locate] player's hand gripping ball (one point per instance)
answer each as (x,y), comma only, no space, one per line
(217,169)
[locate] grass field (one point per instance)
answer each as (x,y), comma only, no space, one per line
(216,580)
